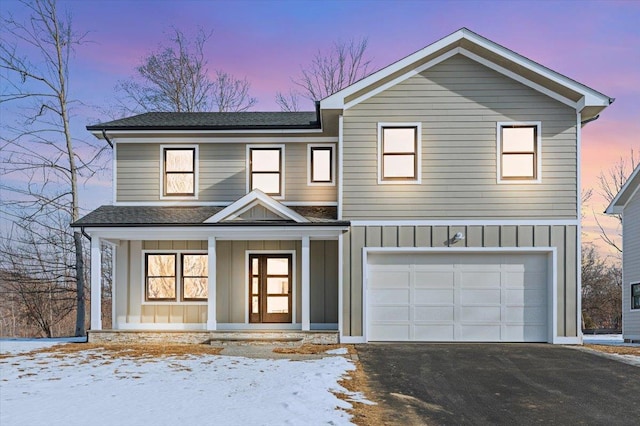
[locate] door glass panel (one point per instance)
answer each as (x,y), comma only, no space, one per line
(277,285)
(255,305)
(254,285)
(277,304)
(254,266)
(278,266)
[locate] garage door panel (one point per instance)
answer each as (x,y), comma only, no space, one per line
(480,296)
(390,279)
(433,313)
(480,333)
(434,279)
(391,313)
(390,296)
(433,296)
(480,313)
(434,332)
(458,297)
(390,332)
(526,314)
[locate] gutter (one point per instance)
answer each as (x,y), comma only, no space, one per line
(589,120)
(104,135)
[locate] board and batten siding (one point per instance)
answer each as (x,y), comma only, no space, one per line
(231,280)
(458,103)
(563,238)
(222,173)
(631,266)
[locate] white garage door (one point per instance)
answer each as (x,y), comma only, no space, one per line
(457,297)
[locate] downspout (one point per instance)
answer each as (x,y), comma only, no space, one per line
(104,135)
(84,233)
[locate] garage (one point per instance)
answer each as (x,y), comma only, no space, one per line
(463,296)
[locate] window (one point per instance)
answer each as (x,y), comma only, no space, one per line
(195,276)
(162,273)
(179,171)
(321,170)
(265,170)
(399,153)
(635,296)
(519,152)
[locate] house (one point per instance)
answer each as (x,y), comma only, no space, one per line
(627,204)
(437,199)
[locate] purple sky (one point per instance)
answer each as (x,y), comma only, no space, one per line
(594,42)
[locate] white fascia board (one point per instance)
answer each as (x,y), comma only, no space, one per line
(150,131)
(230,233)
(615,207)
(168,138)
(467,222)
(591,97)
(252,199)
(336,101)
(217,203)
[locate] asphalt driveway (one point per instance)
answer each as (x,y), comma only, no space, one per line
(514,384)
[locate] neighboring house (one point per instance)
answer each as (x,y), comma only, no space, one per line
(437,199)
(627,204)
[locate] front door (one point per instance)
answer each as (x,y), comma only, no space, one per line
(270,288)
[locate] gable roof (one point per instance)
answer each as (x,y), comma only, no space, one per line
(585,99)
(252,199)
(212,121)
(628,190)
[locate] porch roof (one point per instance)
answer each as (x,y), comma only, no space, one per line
(140,216)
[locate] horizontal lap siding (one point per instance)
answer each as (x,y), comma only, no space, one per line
(222,173)
(563,238)
(631,265)
(459,103)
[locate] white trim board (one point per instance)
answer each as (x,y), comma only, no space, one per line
(163,137)
(552,271)
(215,203)
(468,222)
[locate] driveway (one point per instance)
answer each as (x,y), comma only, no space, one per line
(511,384)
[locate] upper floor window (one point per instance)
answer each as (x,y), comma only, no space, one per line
(519,152)
(179,171)
(635,296)
(399,152)
(265,169)
(321,170)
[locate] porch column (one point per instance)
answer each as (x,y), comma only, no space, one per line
(306,302)
(211,286)
(96,284)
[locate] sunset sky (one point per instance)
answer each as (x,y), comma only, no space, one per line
(594,42)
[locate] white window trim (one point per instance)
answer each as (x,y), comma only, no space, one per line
(196,162)
(310,147)
(282,175)
(630,305)
(538,143)
(418,179)
(294,280)
(178,300)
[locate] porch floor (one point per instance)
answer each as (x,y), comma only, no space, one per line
(321,337)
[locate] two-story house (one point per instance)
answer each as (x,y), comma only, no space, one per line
(437,199)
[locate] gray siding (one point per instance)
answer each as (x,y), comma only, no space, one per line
(564,238)
(222,173)
(459,103)
(631,266)
(231,281)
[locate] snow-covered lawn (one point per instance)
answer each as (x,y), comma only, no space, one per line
(94,387)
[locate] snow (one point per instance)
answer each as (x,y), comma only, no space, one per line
(14,346)
(339,351)
(93,387)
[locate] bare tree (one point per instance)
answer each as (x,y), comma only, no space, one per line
(39,159)
(342,65)
(601,291)
(610,184)
(175,78)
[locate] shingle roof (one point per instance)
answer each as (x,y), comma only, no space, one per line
(212,121)
(192,215)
